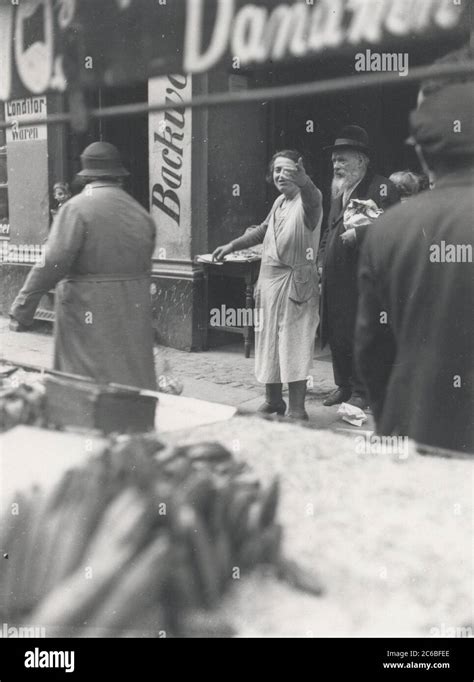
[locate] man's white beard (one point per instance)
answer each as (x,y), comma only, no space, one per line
(341,184)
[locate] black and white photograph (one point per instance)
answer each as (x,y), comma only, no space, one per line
(236,328)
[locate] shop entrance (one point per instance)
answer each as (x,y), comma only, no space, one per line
(128,134)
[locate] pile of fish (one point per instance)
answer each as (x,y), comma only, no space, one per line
(21,403)
(137,538)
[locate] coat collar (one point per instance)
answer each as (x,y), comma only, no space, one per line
(461,177)
(363,187)
(101,183)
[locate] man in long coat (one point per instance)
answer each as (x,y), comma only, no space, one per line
(415,326)
(339,254)
(99,254)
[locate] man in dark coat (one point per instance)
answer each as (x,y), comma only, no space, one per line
(99,253)
(339,253)
(415,325)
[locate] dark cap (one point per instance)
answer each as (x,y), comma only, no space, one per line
(443,124)
(102,159)
(351,137)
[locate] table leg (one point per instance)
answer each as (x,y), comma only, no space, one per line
(249,306)
(205,312)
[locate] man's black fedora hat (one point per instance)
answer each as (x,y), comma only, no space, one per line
(351,137)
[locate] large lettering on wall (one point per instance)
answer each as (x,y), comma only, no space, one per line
(256,33)
(170,147)
(50,44)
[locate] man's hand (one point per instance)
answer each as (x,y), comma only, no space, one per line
(222,251)
(349,237)
(298,174)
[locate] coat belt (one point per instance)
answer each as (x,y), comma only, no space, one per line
(109,277)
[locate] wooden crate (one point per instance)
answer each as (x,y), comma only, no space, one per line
(89,405)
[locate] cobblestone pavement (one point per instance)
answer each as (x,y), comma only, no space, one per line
(220,375)
(227,367)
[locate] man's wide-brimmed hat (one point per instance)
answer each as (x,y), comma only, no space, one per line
(102,159)
(351,137)
(443,124)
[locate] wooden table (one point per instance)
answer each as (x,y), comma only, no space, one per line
(248,272)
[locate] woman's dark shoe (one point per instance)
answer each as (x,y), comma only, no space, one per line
(299,416)
(297,391)
(268,408)
(340,395)
(274,403)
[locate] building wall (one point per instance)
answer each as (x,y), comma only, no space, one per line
(238,155)
(228,193)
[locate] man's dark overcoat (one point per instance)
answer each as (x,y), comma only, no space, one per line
(339,261)
(99,254)
(418,367)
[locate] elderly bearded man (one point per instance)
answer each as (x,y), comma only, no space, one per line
(339,252)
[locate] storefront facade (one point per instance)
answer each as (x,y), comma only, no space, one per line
(200,172)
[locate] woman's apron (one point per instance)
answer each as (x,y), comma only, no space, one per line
(286,296)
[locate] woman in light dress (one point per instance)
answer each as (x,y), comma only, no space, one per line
(286,295)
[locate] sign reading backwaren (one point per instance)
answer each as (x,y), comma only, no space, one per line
(170,146)
(49,44)
(21,109)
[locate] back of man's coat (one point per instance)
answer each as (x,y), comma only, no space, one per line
(418,365)
(100,251)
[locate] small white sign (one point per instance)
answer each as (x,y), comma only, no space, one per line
(19,110)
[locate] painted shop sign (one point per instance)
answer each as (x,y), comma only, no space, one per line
(170,158)
(28,60)
(28,193)
(260,33)
(50,44)
(16,110)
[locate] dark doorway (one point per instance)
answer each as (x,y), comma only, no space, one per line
(128,134)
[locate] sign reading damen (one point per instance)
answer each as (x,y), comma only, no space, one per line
(49,45)
(256,33)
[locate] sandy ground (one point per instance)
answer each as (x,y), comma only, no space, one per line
(390,536)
